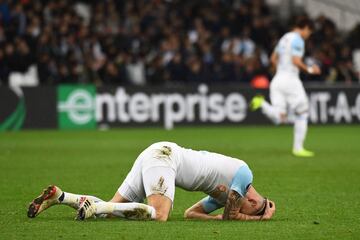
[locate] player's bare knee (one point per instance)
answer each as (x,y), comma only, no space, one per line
(162,214)
(161,217)
(162,206)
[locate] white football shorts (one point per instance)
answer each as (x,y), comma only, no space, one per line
(287,93)
(153,173)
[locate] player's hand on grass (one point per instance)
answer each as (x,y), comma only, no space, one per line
(219,217)
(269,211)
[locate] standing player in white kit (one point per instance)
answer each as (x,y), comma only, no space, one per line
(159,168)
(287,93)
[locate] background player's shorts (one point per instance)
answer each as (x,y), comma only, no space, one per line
(288,93)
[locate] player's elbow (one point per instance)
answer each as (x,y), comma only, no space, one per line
(273,63)
(296,61)
(274,59)
(188,213)
(229,217)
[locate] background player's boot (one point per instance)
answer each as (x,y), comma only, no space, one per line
(303,153)
(49,197)
(86,210)
(256,102)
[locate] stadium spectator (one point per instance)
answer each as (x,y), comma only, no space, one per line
(157,42)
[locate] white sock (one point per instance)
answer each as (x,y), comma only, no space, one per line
(271,112)
(300,130)
(124,210)
(73,200)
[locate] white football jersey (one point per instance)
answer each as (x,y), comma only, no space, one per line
(291,44)
(211,173)
(200,170)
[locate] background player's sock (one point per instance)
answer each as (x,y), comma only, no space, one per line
(74,200)
(126,210)
(300,130)
(271,112)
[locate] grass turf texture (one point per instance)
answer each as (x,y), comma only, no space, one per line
(316,198)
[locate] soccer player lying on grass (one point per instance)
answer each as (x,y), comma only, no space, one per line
(154,175)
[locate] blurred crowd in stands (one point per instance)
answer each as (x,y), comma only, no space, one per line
(158,42)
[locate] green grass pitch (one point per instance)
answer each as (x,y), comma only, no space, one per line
(317,198)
